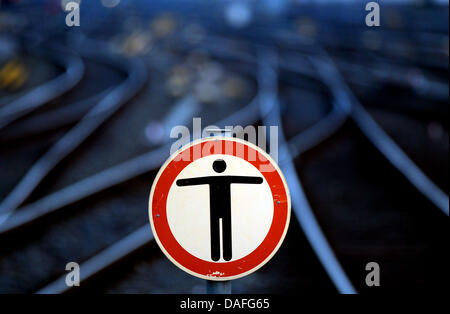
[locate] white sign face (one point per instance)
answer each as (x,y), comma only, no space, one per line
(188,209)
(218,215)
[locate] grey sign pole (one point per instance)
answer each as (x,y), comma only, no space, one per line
(212,286)
(218,287)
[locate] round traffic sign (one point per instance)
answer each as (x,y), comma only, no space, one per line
(219,208)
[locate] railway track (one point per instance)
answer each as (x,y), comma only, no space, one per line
(360,191)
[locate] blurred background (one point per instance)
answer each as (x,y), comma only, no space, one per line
(86,112)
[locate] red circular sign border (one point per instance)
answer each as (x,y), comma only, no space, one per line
(219,270)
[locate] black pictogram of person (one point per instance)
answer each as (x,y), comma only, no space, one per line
(220,205)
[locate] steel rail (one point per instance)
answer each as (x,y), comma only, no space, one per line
(379,138)
(53,119)
(103,179)
(75,136)
(46,92)
(107,178)
(270,112)
(330,75)
(104,259)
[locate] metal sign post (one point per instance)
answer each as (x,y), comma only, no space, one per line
(219,287)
